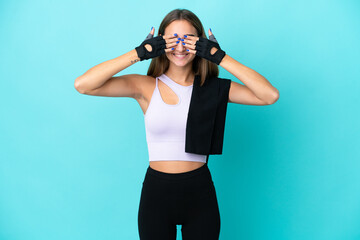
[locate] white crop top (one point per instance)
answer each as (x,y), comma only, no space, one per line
(165,124)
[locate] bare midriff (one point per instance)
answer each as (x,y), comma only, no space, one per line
(175,166)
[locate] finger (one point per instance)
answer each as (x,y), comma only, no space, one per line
(212,37)
(194,38)
(191,51)
(149,36)
(189,46)
(170,49)
(172,40)
(171,45)
(189,41)
(170,36)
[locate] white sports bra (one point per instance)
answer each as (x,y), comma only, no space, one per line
(165,124)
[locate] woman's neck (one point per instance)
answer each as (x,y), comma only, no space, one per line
(181,75)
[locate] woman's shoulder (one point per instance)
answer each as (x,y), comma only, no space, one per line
(145,81)
(145,84)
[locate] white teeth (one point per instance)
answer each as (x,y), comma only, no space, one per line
(180,54)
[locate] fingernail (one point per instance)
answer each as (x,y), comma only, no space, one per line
(177,41)
(152,28)
(185,36)
(187,49)
(182,39)
(179,38)
(172,49)
(183,43)
(210,30)
(175,34)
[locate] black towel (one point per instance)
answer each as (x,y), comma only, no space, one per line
(206,117)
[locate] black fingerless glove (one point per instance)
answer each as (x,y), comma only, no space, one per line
(203,47)
(158,45)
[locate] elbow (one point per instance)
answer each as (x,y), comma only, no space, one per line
(78,87)
(274,98)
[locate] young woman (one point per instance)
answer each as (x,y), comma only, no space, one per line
(178,187)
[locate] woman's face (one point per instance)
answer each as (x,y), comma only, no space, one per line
(181,27)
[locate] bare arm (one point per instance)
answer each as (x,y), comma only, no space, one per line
(100,77)
(257,89)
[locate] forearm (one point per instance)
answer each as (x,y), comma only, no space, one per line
(96,76)
(259,85)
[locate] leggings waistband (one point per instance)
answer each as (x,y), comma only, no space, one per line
(182,175)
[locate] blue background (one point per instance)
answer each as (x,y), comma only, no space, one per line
(72,165)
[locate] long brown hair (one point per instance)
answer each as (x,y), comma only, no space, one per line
(200,66)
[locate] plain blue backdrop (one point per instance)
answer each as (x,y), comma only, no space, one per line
(72,165)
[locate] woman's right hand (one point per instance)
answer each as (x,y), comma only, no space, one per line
(153,47)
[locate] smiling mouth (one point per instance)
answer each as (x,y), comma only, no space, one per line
(180,56)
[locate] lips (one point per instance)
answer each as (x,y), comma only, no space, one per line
(180,56)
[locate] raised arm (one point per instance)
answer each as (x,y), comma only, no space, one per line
(99,79)
(257,89)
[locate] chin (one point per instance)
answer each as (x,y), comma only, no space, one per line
(180,63)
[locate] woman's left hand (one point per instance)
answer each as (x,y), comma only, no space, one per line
(205,48)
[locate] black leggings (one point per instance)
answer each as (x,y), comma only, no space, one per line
(170,199)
